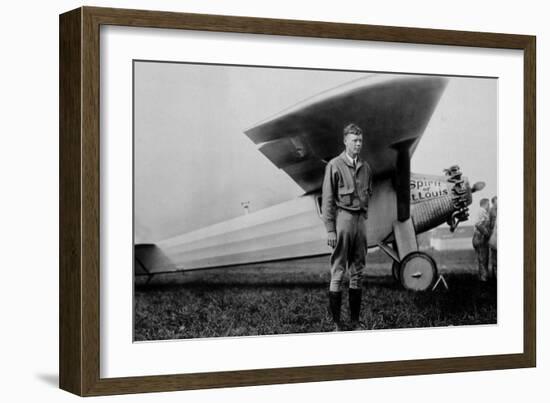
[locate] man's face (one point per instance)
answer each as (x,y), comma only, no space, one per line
(353,144)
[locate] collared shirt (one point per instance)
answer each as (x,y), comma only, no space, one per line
(482,228)
(345,187)
(352,160)
(493,226)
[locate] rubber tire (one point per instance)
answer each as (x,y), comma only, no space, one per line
(395,266)
(424,267)
(396,270)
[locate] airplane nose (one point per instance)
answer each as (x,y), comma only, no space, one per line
(461,195)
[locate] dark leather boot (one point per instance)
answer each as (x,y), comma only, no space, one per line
(334,304)
(355,308)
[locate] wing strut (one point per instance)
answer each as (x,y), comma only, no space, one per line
(403,178)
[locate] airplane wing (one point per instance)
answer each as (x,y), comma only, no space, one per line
(390,109)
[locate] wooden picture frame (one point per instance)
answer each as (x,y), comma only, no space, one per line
(79,278)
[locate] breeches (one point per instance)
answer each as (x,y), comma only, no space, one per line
(482,252)
(350,251)
(493,261)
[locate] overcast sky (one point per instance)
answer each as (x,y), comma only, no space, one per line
(183,110)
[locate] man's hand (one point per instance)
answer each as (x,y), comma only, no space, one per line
(331,239)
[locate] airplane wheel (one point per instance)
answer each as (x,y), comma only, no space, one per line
(418,271)
(395,265)
(395,270)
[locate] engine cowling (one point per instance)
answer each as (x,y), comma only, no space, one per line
(439,199)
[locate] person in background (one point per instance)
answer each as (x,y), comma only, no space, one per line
(480,240)
(493,238)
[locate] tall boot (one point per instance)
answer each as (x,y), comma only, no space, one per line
(335,302)
(355,308)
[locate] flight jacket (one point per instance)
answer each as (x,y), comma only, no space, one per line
(345,187)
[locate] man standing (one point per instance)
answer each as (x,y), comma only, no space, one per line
(347,187)
(480,241)
(493,238)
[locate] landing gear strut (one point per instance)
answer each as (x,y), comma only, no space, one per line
(414,269)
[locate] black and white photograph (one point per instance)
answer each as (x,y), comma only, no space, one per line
(270,200)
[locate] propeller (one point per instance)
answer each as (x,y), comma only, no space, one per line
(461,199)
(478,186)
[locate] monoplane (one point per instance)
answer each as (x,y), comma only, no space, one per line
(393,112)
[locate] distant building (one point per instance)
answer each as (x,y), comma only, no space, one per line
(442,238)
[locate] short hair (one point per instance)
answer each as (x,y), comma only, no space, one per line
(352,128)
(493,199)
(483,202)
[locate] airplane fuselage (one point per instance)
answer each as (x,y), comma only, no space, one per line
(295,228)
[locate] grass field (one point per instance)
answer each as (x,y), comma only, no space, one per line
(291,297)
